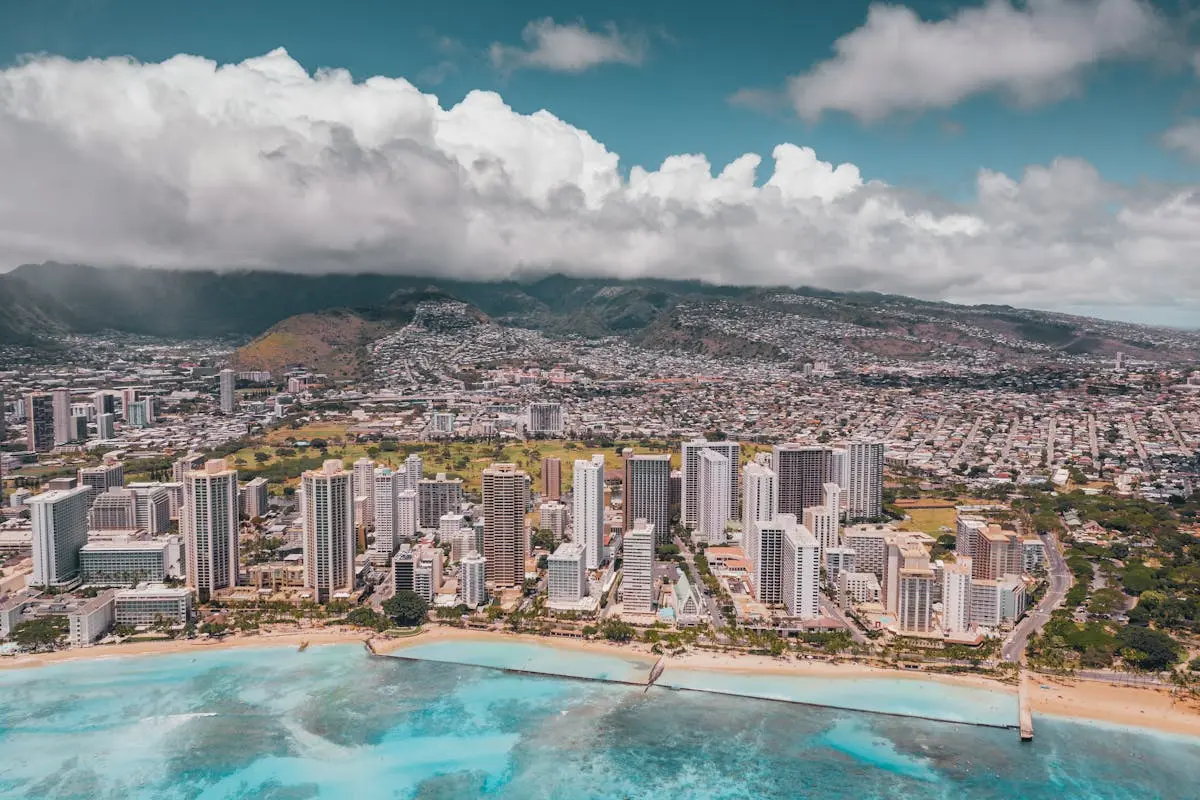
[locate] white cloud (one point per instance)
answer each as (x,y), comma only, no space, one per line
(1184,137)
(259,164)
(1034,52)
(568,47)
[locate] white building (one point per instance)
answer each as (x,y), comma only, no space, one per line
(956,596)
(691,486)
(858,588)
(768,567)
(60,530)
(364,486)
(864,489)
(544,418)
(758,503)
(801,573)
(442,423)
(472,580)
(838,560)
(552,517)
(915,599)
(255,504)
(637,574)
(209,523)
(227,394)
(116,563)
(712,496)
(587,493)
(106,427)
(90,620)
(146,605)
(61,403)
(329,538)
(413,469)
(566,576)
(384,514)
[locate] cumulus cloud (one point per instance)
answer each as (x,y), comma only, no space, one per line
(187,163)
(568,47)
(1185,138)
(1034,52)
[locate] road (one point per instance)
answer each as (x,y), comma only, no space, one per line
(709,601)
(832,609)
(1060,582)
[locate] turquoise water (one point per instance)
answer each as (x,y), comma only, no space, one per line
(533,657)
(334,723)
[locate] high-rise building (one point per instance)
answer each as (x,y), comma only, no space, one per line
(758,503)
(637,572)
(129,396)
(566,575)
(60,530)
(504,489)
(462,542)
(800,475)
(839,463)
(39,422)
(864,488)
(436,497)
(427,572)
(406,515)
(712,496)
(472,580)
(113,510)
(823,520)
(182,466)
(690,487)
(153,509)
(329,531)
(64,431)
(139,415)
(106,427)
(768,567)
(551,478)
(228,396)
(956,596)
(800,579)
(587,493)
(546,418)
(79,428)
(403,565)
(449,525)
(414,469)
(916,599)
(103,477)
(364,486)
(870,549)
(105,402)
(256,498)
(442,423)
(553,517)
(838,560)
(646,493)
(209,523)
(385,513)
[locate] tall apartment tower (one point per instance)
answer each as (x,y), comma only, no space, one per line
(864,481)
(256,498)
(329,531)
(824,521)
(768,567)
(758,503)
(364,486)
(182,466)
(647,493)
(227,395)
(800,578)
(712,496)
(414,470)
(60,530)
(544,418)
(209,523)
(105,403)
(504,494)
(690,488)
(106,427)
(472,580)
(551,478)
(587,494)
(103,477)
(64,430)
(800,474)
(637,574)
(39,422)
(956,596)
(916,599)
(383,494)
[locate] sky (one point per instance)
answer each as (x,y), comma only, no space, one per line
(1041,153)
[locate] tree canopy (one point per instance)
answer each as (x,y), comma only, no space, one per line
(406,608)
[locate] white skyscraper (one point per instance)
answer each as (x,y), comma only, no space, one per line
(712,496)
(63,430)
(60,530)
(209,522)
(566,575)
(544,418)
(413,469)
(758,503)
(329,531)
(406,515)
(472,580)
(364,486)
(864,489)
(637,582)
(588,498)
(228,397)
(801,573)
(768,567)
(106,427)
(383,493)
(915,599)
(689,507)
(823,520)
(552,517)
(956,596)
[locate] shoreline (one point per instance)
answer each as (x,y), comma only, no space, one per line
(1133,707)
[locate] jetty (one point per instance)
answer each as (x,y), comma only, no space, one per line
(1024,711)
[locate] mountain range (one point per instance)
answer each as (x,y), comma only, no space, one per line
(317,319)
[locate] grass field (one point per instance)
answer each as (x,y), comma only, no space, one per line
(928,520)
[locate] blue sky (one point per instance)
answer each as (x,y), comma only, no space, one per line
(1042,153)
(699,53)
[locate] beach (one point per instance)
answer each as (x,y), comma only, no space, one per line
(1141,707)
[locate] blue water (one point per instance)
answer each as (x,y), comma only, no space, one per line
(333,723)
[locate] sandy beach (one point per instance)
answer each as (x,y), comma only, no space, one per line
(1141,707)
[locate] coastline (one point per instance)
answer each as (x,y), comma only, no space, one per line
(1090,701)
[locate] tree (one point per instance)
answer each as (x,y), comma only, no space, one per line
(406,608)
(43,633)
(261,457)
(1146,648)
(616,631)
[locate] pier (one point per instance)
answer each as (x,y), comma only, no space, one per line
(1024,711)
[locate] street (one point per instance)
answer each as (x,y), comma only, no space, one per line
(709,601)
(1060,582)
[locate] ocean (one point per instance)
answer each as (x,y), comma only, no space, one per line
(333,722)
